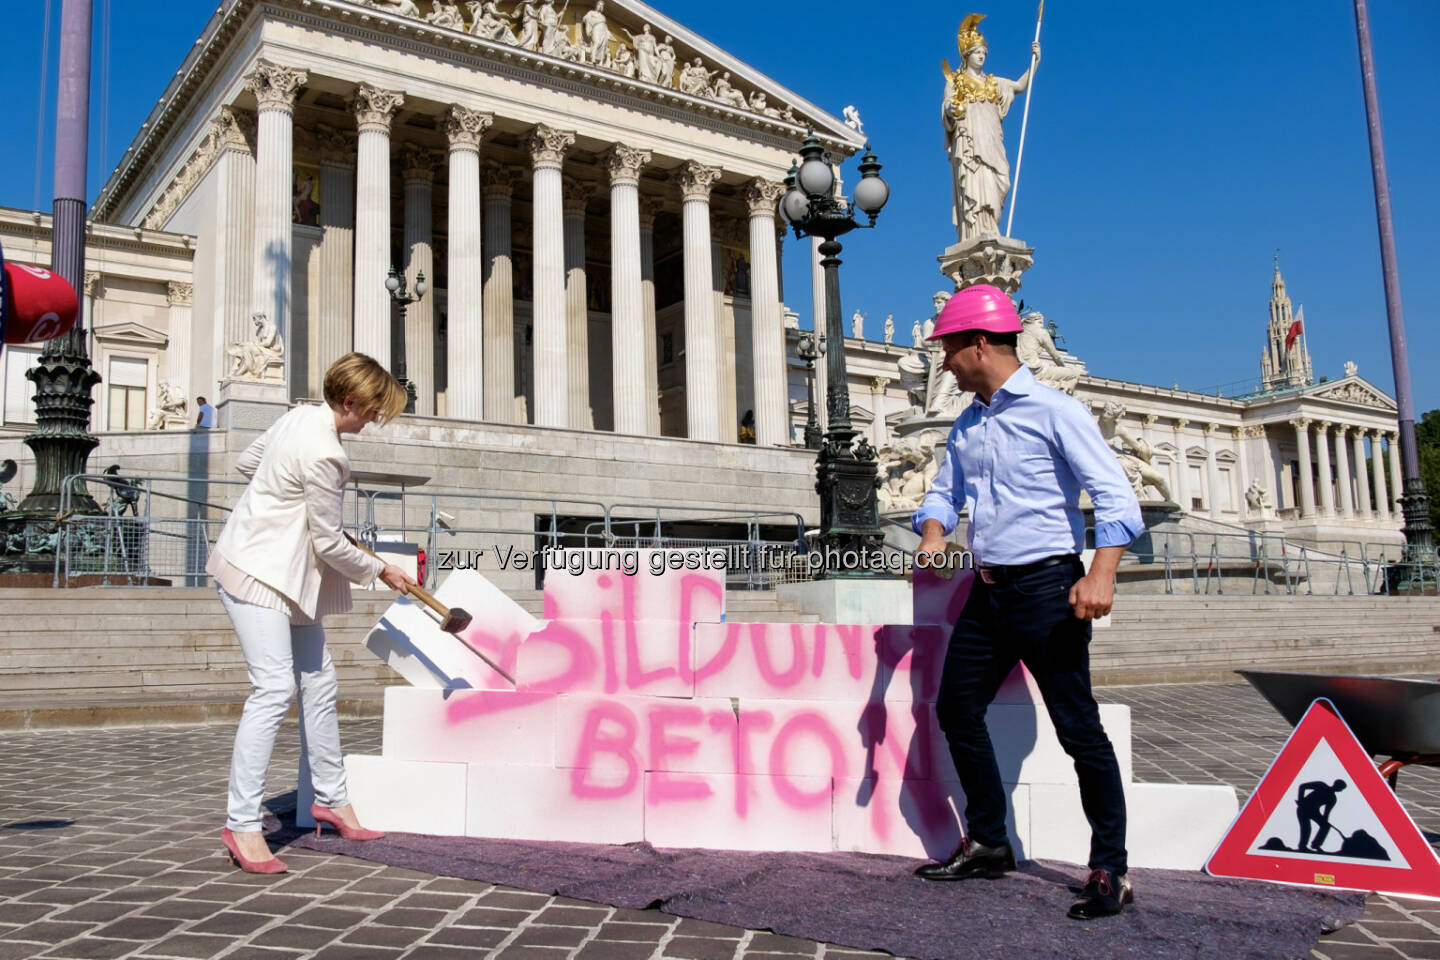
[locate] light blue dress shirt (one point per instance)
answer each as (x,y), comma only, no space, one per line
(1019,464)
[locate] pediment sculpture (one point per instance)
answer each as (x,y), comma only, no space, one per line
(262,357)
(1357,392)
(590,38)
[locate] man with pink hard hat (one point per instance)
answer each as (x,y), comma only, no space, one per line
(1017,459)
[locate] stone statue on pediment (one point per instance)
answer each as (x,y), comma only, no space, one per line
(647,61)
(529,36)
(666,58)
(447,15)
(596,30)
(917,334)
(857,325)
(889,328)
(404,8)
(695,79)
(623,62)
(760,106)
(488,23)
(974,106)
(262,357)
(725,93)
(553,36)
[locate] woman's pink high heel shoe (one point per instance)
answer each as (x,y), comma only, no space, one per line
(273,865)
(324,815)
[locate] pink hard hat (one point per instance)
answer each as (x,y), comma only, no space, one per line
(978,307)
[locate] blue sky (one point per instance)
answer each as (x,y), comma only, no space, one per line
(1172,148)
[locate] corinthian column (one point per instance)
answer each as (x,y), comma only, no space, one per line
(576,194)
(648,208)
(547,154)
(333,329)
(702,393)
(1322,450)
(1212,471)
(1307,482)
(274,88)
(181,298)
(234,130)
(499,296)
(374,109)
(627,300)
(1342,473)
(1362,485)
(418,173)
(767,326)
(466,356)
(1377,463)
(1182,466)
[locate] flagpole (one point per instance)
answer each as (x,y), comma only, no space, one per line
(1024,121)
(1415,503)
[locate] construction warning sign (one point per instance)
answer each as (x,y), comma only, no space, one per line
(1323,816)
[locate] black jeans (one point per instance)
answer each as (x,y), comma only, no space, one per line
(1029,619)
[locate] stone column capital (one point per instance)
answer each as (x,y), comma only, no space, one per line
(497,179)
(878,384)
(178,294)
(547,146)
(1239,433)
(1149,419)
(762,196)
(375,108)
(1211,429)
(649,207)
(336,147)
(624,163)
(92,282)
(274,86)
(1300,423)
(695,180)
(1377,435)
(1181,423)
(466,127)
(1323,426)
(575,195)
(417,164)
(234,129)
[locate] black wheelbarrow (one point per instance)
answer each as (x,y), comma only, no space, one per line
(1394,718)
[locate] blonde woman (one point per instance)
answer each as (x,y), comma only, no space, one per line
(280,565)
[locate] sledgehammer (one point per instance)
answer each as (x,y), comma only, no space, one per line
(452,619)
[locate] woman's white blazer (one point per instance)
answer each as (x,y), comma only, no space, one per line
(286,529)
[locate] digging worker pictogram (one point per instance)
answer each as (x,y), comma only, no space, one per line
(1314,801)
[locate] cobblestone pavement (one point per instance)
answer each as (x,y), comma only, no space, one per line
(108,848)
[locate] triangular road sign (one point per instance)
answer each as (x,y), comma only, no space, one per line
(1323,816)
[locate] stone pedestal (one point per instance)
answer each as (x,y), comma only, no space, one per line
(250,404)
(994,260)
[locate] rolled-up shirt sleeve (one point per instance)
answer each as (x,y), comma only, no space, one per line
(940,503)
(1117,512)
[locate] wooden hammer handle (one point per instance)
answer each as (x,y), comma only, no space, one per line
(417,591)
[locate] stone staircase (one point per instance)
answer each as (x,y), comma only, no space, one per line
(116,656)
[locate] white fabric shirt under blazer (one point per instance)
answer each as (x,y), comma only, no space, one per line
(286,530)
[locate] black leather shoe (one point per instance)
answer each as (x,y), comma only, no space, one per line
(973,859)
(1106,893)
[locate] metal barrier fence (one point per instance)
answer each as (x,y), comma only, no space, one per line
(161,529)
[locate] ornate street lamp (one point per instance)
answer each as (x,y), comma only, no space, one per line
(846,477)
(811,348)
(395,283)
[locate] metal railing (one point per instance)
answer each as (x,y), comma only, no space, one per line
(161,530)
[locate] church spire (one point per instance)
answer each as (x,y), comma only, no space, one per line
(1285,361)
